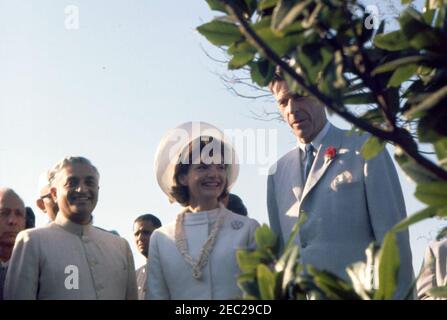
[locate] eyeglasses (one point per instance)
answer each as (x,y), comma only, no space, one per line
(48,195)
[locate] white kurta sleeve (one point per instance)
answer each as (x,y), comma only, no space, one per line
(22,279)
(156,284)
(131,291)
(386,207)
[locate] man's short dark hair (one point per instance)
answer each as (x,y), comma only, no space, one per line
(149,217)
(30,218)
(236,205)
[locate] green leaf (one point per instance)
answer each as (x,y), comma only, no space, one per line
(433,100)
(265,238)
(266,4)
(281,45)
(392,65)
(241,47)
(289,15)
(240,59)
(372,147)
(266,282)
(291,263)
(412,169)
(433,194)
(389,263)
(262,72)
(441,212)
(333,287)
(249,288)
(280,11)
(359,98)
(356,274)
(296,227)
(441,152)
(220,33)
(392,41)
(414,218)
(419,34)
(402,74)
(216,5)
(438,292)
(313,58)
(248,261)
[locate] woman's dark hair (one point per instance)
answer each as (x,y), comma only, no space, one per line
(180,192)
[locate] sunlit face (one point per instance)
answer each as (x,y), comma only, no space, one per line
(142,231)
(12,218)
(205,182)
(47,204)
(305,115)
(75,191)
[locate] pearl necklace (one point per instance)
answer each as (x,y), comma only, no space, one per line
(182,243)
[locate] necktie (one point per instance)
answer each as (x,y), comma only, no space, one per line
(309,159)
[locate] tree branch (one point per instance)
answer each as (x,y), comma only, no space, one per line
(399,136)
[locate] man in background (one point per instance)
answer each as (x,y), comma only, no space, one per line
(45,202)
(12,221)
(70,259)
(143,227)
(234,203)
(30,218)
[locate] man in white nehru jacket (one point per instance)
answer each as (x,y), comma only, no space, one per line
(45,202)
(70,258)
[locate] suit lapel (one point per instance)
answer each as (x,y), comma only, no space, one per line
(333,138)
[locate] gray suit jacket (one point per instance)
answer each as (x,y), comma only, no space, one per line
(434,269)
(349,202)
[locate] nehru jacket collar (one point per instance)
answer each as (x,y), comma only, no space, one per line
(70,226)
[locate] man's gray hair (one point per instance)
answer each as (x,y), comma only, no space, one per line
(68,161)
(8,191)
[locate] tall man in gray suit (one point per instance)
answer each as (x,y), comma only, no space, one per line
(349,202)
(12,221)
(143,227)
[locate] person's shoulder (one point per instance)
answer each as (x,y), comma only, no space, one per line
(108,237)
(231,216)
(33,236)
(286,158)
(163,231)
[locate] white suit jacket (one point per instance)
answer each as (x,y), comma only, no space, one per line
(68,261)
(170,277)
(434,269)
(349,203)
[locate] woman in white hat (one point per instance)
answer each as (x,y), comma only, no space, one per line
(195,257)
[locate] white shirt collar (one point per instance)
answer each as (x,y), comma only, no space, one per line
(316,142)
(5,264)
(72,227)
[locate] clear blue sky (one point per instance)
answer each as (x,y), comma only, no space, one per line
(109,91)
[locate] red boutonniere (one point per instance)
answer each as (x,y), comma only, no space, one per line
(330,153)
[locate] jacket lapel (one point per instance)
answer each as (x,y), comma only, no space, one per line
(333,138)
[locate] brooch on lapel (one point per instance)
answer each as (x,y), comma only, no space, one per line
(236,224)
(330,153)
